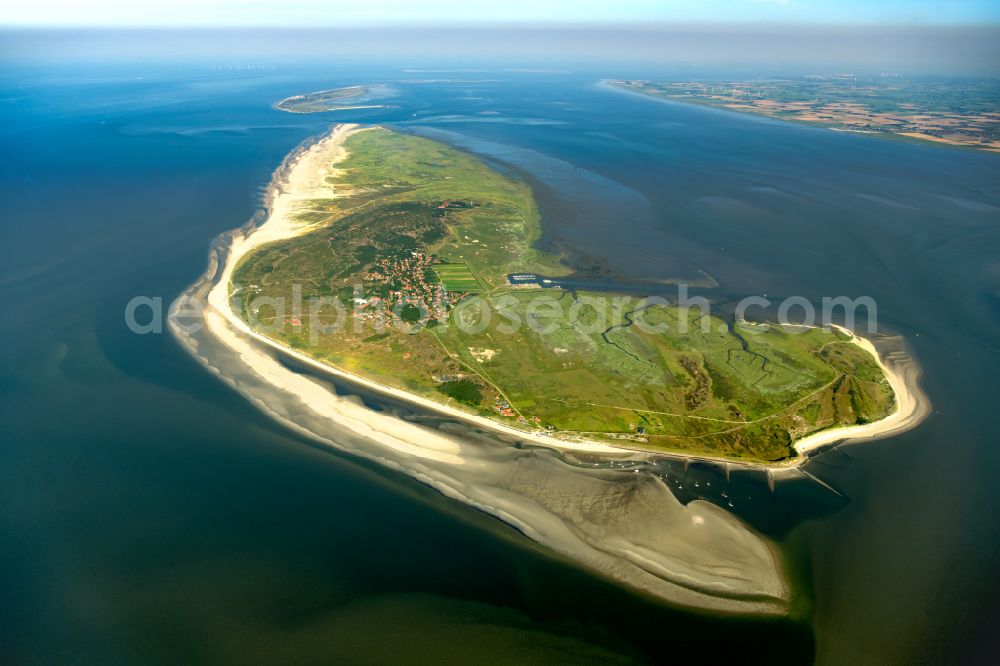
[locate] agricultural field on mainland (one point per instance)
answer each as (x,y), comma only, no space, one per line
(960,113)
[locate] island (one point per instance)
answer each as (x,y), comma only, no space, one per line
(363,222)
(336,99)
(414,267)
(953,112)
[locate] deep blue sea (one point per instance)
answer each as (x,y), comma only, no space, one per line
(148,514)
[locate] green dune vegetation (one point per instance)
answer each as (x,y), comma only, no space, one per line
(417,251)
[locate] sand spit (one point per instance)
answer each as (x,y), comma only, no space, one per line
(912,405)
(623,523)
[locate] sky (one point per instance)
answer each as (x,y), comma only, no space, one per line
(335,13)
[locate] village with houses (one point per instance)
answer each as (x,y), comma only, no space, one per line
(405,286)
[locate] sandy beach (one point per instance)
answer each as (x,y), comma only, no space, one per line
(301,178)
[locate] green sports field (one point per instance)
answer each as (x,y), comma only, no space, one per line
(458,277)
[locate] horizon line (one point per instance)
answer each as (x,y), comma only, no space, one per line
(643,26)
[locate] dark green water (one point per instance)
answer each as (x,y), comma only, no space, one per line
(150,514)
